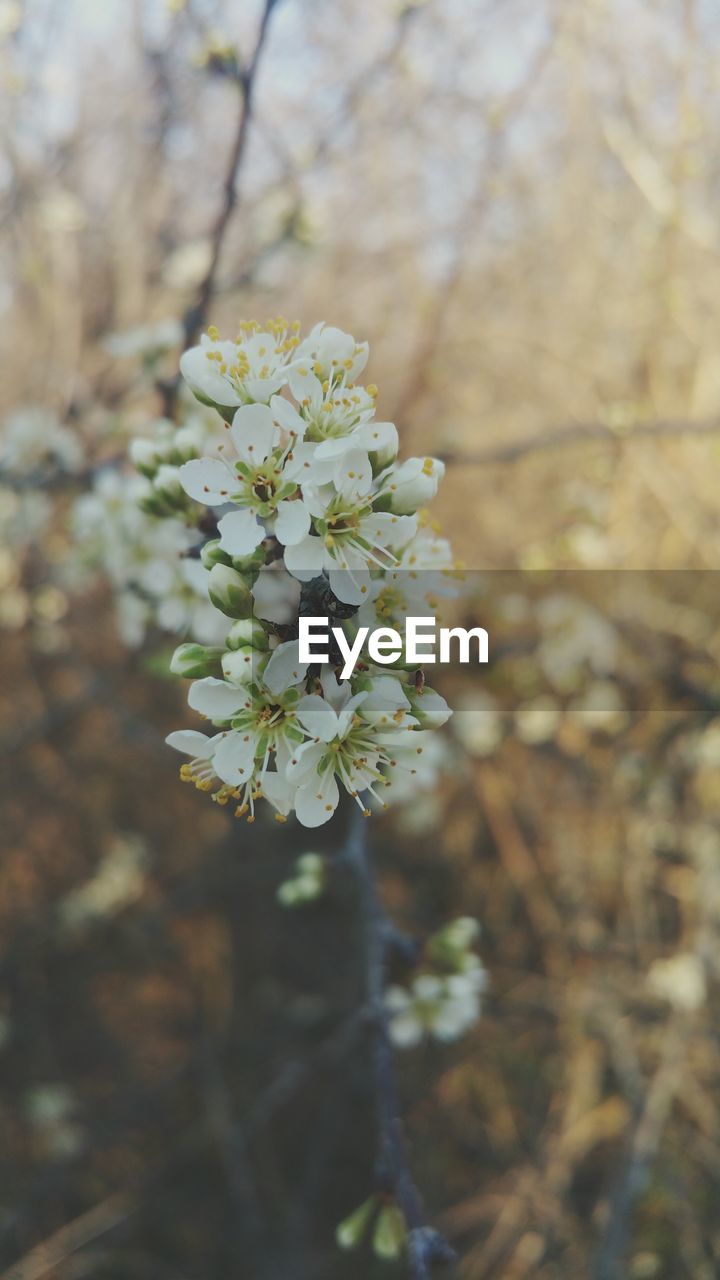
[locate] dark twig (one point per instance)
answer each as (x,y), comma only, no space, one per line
(577,433)
(650,1121)
(197,314)
(195,318)
(425,1245)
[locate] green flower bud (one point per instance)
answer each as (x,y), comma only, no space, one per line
(390,1233)
(143,455)
(167,483)
(256,560)
(247,631)
(229,591)
(196,660)
(449,947)
(311,864)
(212,554)
(351,1231)
(287,894)
(187,444)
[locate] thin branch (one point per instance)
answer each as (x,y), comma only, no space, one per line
(425,1245)
(578,433)
(646,1136)
(197,314)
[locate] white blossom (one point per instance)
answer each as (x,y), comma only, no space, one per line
(251,369)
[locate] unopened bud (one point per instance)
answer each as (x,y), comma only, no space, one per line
(410,486)
(390,1233)
(212,553)
(167,482)
(351,1231)
(229,591)
(196,660)
(143,455)
(256,560)
(429,707)
(247,631)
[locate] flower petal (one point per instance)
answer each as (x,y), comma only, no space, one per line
(317,716)
(303,765)
(207,480)
(215,698)
(234,759)
(254,433)
(304,560)
(292,522)
(191,742)
(278,790)
(284,668)
(353,475)
(376,435)
(317,802)
(305,386)
(345,718)
(350,587)
(285,415)
(204,379)
(240,533)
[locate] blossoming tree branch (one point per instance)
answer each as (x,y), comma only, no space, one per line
(282,499)
(312,510)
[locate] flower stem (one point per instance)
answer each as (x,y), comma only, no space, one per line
(425,1245)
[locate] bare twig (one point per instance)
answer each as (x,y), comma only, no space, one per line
(578,433)
(425,1245)
(651,1119)
(246,79)
(196,315)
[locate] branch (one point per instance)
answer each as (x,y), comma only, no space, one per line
(646,1136)
(578,433)
(196,316)
(425,1245)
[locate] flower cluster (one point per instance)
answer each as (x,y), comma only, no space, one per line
(443,1001)
(32,439)
(305,509)
(135,528)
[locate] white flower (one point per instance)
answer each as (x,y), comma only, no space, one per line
(34,435)
(350,537)
(261,727)
(331,353)
(575,636)
(306,487)
(412,484)
(336,419)
(443,1007)
(147,340)
(354,737)
(146,560)
(251,369)
(261,483)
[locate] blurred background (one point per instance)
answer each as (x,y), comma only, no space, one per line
(515,202)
